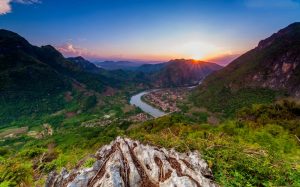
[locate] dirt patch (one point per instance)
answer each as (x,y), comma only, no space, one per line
(109,91)
(78,86)
(70,114)
(68,96)
(13,132)
(213,120)
(127,108)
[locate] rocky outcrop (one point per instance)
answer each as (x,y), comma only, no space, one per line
(277,61)
(279,73)
(125,162)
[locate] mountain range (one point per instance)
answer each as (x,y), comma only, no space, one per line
(178,72)
(34,79)
(118,65)
(269,70)
(31,75)
(46,66)
(43,70)
(56,111)
(264,73)
(181,72)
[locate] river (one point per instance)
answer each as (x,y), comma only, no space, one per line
(137,101)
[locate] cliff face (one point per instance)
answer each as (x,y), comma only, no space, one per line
(279,68)
(125,162)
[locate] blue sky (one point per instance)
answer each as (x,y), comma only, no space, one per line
(151,30)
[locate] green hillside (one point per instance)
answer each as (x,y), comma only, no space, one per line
(35,80)
(258,76)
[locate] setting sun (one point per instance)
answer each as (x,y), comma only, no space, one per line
(197,57)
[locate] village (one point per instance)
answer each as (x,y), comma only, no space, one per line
(165,99)
(108,120)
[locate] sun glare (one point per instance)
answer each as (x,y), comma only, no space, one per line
(198,50)
(197,57)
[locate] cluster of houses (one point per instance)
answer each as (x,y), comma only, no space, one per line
(107,120)
(165,99)
(141,117)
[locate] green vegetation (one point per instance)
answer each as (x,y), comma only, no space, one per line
(227,102)
(258,148)
(284,113)
(238,153)
(89,162)
(34,81)
(32,159)
(33,151)
(258,76)
(21,108)
(59,120)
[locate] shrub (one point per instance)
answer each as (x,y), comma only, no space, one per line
(13,172)
(89,162)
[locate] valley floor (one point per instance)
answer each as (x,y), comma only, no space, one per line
(254,149)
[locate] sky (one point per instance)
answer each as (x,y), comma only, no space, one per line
(148,30)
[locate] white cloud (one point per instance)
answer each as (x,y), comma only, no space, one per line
(69,49)
(5,5)
(272,3)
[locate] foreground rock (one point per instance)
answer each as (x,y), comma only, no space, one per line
(125,162)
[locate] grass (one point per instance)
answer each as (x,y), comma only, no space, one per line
(238,154)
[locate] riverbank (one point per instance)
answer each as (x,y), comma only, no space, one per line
(159,102)
(137,101)
(166,99)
